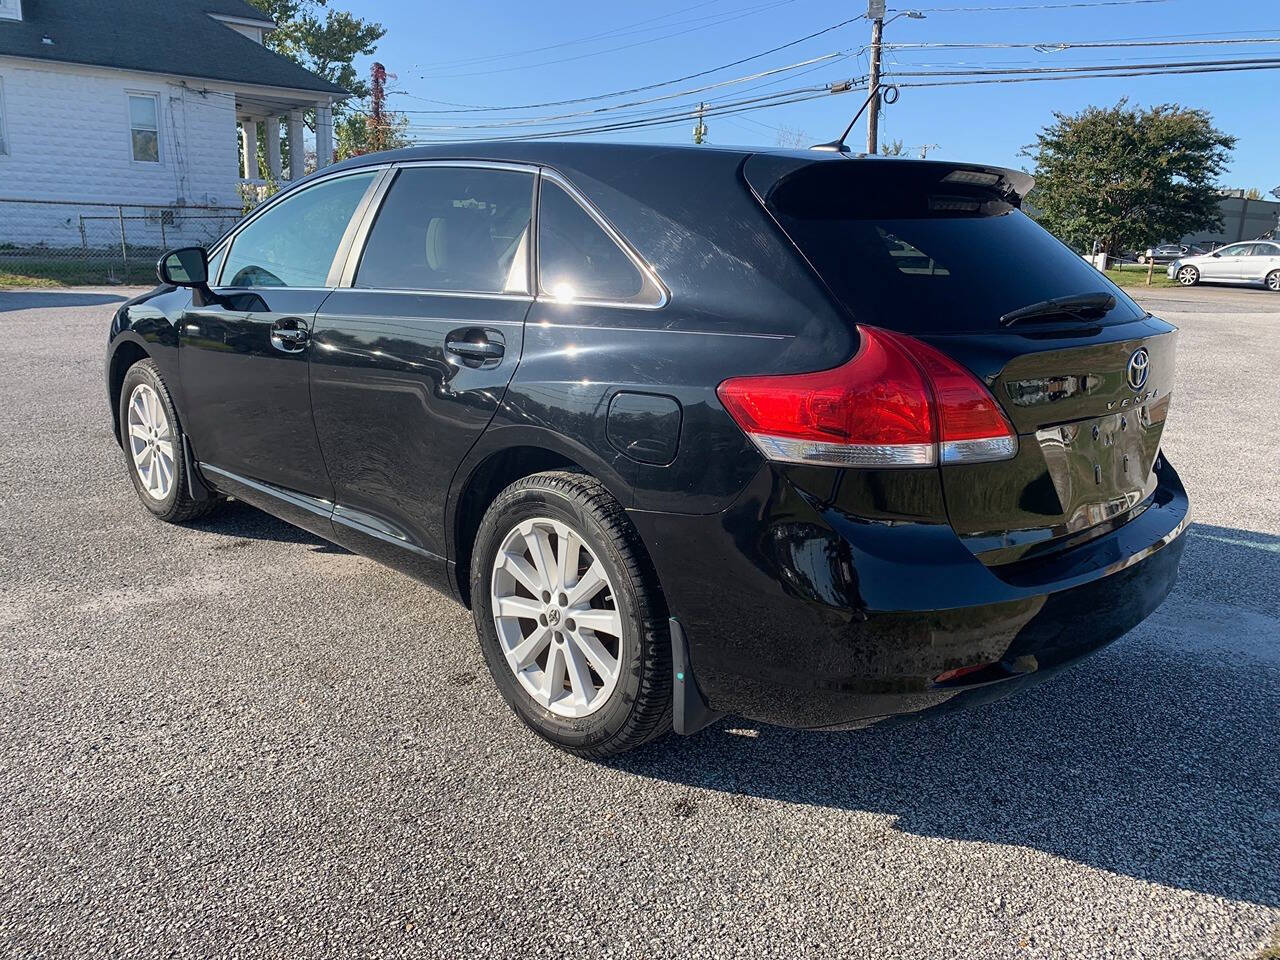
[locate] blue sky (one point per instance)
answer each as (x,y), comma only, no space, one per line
(474,54)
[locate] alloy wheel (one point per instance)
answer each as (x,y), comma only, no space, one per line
(1273,281)
(151,442)
(557,617)
(1188,276)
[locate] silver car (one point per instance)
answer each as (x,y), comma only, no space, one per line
(1257,261)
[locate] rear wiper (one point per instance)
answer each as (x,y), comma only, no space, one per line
(1072,306)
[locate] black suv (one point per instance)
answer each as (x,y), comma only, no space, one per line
(815,439)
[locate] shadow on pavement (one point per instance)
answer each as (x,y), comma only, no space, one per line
(240,521)
(47,299)
(1158,758)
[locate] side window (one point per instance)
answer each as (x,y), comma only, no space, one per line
(1235,250)
(579,260)
(456,229)
(1266,250)
(293,243)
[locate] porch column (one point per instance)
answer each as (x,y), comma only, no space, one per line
(272,125)
(249,144)
(324,134)
(297,149)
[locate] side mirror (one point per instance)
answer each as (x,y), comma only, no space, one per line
(184,267)
(1216,253)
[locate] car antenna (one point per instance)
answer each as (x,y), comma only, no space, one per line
(838,145)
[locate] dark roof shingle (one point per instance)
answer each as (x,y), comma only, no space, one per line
(156,36)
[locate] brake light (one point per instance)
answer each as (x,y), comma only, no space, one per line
(897,403)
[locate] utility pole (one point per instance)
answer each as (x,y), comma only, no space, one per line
(700,128)
(875,13)
(377,108)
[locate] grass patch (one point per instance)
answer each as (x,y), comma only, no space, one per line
(1135,275)
(73,273)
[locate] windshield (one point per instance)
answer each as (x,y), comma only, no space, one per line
(922,256)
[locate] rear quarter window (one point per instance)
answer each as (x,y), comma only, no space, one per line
(903,250)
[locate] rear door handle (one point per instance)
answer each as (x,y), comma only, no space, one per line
(476,346)
(290,335)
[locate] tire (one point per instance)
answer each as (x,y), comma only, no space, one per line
(163,488)
(1273,281)
(1187,276)
(538,664)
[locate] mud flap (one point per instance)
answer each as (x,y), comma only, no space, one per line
(195,485)
(691,712)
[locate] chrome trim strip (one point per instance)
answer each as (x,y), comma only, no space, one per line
(353,524)
(466,294)
(531,168)
(317,505)
(632,254)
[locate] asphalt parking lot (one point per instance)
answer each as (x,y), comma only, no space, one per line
(231,739)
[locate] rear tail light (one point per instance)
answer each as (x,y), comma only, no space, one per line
(897,403)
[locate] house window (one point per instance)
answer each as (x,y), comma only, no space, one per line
(10,9)
(144,127)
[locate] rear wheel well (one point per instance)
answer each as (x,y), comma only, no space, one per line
(126,355)
(488,480)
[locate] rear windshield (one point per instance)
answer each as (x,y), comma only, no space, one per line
(904,250)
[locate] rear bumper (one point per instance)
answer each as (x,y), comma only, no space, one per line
(799,615)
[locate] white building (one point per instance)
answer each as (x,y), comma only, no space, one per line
(140,103)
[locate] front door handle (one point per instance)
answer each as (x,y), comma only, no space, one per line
(290,335)
(476,347)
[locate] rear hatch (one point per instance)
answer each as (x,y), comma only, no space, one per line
(943,253)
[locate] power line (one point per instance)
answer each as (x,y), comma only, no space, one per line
(626,46)
(1275,65)
(931,79)
(1056,46)
(1005,71)
(633,103)
(611,114)
(683,115)
(1032,6)
(663,83)
(616,31)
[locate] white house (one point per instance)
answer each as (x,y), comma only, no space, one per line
(136,105)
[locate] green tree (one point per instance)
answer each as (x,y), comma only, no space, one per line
(893,148)
(324,40)
(327,41)
(353,133)
(1128,177)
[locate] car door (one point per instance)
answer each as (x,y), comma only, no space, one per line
(1262,259)
(412,353)
(1225,264)
(243,352)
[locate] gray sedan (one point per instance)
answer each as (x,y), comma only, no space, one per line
(1257,261)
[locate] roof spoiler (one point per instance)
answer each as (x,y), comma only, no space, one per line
(764,171)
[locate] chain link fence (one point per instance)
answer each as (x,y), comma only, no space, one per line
(66,242)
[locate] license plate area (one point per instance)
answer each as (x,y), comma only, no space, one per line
(1102,467)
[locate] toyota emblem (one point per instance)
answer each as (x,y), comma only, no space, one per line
(1139,365)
